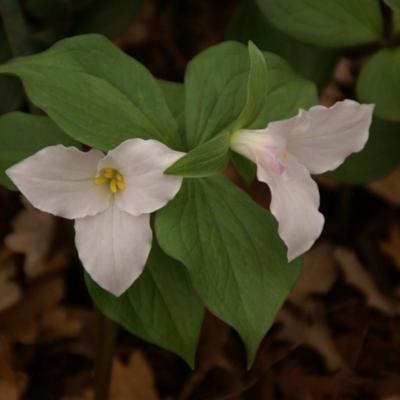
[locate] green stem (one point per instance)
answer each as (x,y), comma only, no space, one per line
(15,27)
(107,331)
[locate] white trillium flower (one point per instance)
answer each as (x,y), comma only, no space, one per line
(287,152)
(110,197)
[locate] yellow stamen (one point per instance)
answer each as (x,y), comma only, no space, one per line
(108,174)
(112,177)
(100,180)
(120,185)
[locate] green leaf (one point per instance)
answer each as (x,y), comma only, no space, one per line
(326,23)
(236,261)
(160,307)
(244,167)
(174,94)
(256,89)
(96,93)
(22,135)
(204,160)
(379,83)
(379,156)
(215,90)
(313,63)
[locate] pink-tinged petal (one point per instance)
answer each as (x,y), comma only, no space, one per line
(142,164)
(294,203)
(113,247)
(255,143)
(323,137)
(60,180)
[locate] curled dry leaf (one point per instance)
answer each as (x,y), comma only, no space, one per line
(356,276)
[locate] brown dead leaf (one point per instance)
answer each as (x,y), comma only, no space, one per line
(356,276)
(314,334)
(20,323)
(133,381)
(12,383)
(391,246)
(388,188)
(33,234)
(10,292)
(318,273)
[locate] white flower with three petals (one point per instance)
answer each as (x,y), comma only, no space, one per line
(110,197)
(287,152)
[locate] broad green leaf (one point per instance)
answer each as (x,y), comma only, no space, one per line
(160,307)
(204,160)
(215,90)
(235,259)
(174,94)
(257,86)
(379,83)
(96,93)
(311,62)
(22,135)
(326,23)
(380,155)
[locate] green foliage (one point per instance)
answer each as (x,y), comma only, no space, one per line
(159,307)
(204,160)
(257,86)
(235,259)
(96,93)
(379,156)
(22,135)
(326,23)
(311,62)
(215,89)
(379,83)
(11,90)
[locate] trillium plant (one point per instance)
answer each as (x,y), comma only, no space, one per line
(139,165)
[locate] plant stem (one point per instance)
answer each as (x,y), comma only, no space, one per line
(15,27)
(107,330)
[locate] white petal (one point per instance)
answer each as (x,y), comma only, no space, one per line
(252,143)
(60,181)
(323,137)
(142,163)
(113,247)
(294,203)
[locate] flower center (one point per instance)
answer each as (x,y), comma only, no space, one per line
(112,177)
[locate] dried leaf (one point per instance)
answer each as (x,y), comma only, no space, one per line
(356,276)
(33,233)
(134,381)
(388,188)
